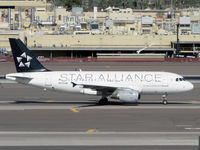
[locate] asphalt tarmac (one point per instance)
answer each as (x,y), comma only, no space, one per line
(99,148)
(33,118)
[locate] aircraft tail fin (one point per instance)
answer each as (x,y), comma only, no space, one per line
(25,60)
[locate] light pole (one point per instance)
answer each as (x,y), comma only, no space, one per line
(178,41)
(171,4)
(54,9)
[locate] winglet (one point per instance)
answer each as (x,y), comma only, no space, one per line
(74,84)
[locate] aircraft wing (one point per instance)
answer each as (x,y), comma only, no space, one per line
(96,87)
(108,89)
(192,78)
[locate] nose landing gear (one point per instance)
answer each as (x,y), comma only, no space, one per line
(164,98)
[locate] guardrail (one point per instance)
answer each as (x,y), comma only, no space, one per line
(77,60)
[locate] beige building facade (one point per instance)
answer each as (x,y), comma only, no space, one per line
(41,24)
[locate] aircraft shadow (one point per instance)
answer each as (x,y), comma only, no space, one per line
(93,103)
(160,103)
(53,102)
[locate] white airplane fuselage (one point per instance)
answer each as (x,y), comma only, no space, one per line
(142,82)
(124,86)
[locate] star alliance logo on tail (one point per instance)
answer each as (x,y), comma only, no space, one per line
(24,60)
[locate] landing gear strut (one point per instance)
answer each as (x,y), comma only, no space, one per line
(164,98)
(103,101)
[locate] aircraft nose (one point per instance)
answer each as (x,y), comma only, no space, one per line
(190,86)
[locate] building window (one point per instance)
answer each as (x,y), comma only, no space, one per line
(65,19)
(16,17)
(59,17)
(71,19)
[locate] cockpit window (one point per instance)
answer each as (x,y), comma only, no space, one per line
(180,79)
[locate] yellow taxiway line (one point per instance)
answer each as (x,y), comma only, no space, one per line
(74,110)
(91,130)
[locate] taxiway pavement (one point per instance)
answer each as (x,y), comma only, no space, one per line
(31,117)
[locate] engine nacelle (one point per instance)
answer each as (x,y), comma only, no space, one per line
(129,96)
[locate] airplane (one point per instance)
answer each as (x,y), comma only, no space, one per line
(125,86)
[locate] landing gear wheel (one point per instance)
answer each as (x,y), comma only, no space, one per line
(164,97)
(165,102)
(103,101)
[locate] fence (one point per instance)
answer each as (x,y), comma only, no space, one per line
(78,60)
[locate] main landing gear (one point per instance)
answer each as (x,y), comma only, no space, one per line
(164,98)
(103,101)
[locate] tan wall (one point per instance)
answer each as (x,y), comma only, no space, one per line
(105,40)
(95,40)
(44,16)
(4,43)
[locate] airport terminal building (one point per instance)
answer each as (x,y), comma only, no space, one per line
(51,31)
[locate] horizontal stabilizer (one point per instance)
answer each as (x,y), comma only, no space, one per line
(4,80)
(23,80)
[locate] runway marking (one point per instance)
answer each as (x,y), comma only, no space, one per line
(98,138)
(192,128)
(51,101)
(74,110)
(91,130)
(182,125)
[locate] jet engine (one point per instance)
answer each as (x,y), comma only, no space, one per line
(129,96)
